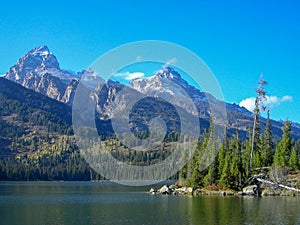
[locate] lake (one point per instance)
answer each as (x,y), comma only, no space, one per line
(109,203)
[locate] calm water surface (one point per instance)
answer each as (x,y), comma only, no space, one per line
(108,203)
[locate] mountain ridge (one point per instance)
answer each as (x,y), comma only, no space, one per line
(39,70)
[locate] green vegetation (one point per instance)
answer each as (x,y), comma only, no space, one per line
(37,143)
(237,159)
(231,169)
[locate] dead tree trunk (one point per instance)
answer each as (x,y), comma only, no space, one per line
(277,185)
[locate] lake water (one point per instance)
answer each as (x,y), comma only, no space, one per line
(108,203)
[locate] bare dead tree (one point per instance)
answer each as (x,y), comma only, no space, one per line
(259,105)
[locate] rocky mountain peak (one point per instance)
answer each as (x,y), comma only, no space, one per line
(171,74)
(39,70)
(168,72)
(39,57)
(87,72)
(41,50)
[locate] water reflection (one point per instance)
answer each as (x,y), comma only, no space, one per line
(106,203)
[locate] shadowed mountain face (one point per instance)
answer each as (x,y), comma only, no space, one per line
(39,70)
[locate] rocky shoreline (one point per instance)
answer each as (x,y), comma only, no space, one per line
(252,190)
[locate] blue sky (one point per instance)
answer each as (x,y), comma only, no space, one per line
(238,40)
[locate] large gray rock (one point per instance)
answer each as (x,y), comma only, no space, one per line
(252,190)
(164,190)
(189,190)
(152,191)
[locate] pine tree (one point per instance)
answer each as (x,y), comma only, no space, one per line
(225,179)
(195,175)
(221,159)
(246,152)
(237,166)
(233,172)
(212,175)
(257,160)
(267,151)
(293,162)
(203,173)
(284,147)
(222,153)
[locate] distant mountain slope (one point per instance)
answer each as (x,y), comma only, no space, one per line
(169,83)
(31,99)
(24,112)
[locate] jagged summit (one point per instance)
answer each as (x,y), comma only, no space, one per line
(168,72)
(36,61)
(39,70)
(167,80)
(39,57)
(41,50)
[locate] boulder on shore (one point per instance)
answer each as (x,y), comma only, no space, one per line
(164,190)
(252,190)
(189,190)
(152,191)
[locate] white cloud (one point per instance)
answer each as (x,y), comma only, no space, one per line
(287,98)
(2,75)
(271,102)
(130,76)
(248,103)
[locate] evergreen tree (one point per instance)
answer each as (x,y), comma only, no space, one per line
(203,173)
(236,166)
(267,151)
(293,162)
(284,147)
(212,175)
(195,176)
(246,151)
(225,179)
(232,175)
(257,160)
(222,153)
(221,159)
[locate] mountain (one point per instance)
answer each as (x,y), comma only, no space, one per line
(39,70)
(172,86)
(36,135)
(168,83)
(37,141)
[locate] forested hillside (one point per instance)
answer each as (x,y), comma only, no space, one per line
(36,137)
(37,143)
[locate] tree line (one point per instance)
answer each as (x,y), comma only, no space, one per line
(236,160)
(51,153)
